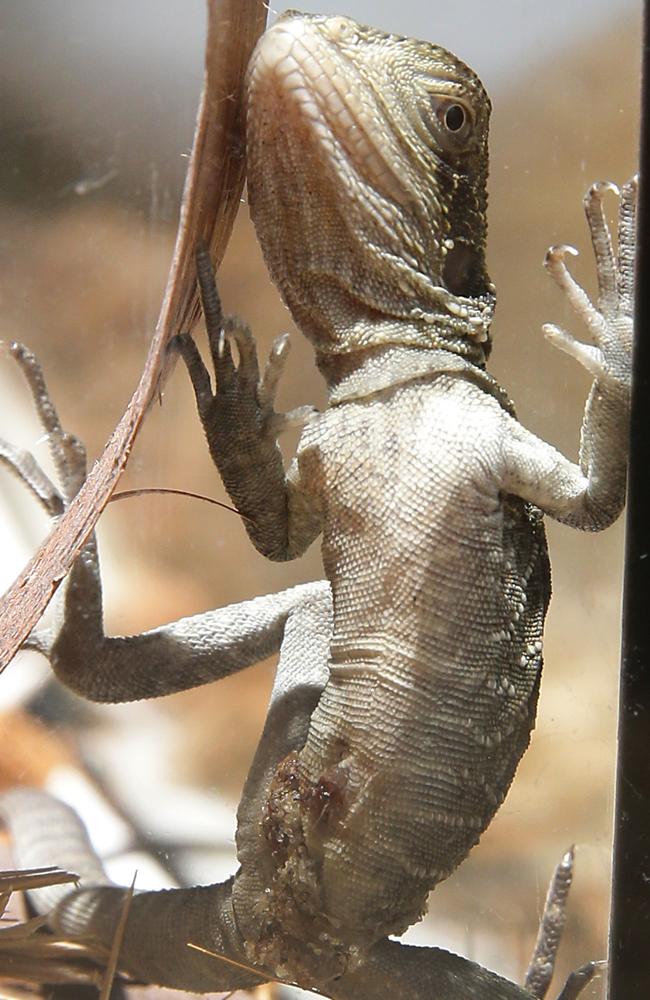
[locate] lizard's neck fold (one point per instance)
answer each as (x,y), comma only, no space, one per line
(351,327)
(362,373)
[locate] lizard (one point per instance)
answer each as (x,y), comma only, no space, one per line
(407,682)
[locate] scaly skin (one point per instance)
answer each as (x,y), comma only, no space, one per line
(407,685)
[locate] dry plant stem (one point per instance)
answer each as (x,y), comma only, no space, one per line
(30,958)
(118,937)
(210,200)
(32,878)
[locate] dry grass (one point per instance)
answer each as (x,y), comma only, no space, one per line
(28,955)
(31,956)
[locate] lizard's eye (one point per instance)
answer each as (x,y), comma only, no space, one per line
(340,29)
(453,118)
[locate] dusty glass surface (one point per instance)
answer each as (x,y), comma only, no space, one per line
(97,105)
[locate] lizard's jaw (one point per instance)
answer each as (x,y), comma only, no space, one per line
(370,213)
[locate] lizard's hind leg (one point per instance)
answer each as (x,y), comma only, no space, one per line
(160,925)
(422,973)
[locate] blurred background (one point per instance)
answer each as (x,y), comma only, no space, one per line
(97,106)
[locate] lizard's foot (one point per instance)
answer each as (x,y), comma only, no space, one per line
(551,926)
(242,398)
(609,324)
(68,453)
(542,964)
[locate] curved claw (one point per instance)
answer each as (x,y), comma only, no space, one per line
(589,357)
(554,262)
(601,240)
(280,349)
(631,185)
(222,358)
(273,370)
(238,331)
(579,979)
(598,190)
(555,255)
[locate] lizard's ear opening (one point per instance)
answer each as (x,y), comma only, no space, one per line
(461,271)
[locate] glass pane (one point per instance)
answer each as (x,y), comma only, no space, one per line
(98,104)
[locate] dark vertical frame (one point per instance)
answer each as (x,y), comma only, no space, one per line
(629,959)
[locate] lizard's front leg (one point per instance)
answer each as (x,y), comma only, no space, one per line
(170,658)
(160,923)
(242,427)
(591,494)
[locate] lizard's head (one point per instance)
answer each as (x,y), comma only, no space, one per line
(367,167)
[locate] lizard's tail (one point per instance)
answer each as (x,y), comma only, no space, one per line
(160,925)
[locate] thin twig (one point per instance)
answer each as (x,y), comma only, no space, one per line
(116,944)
